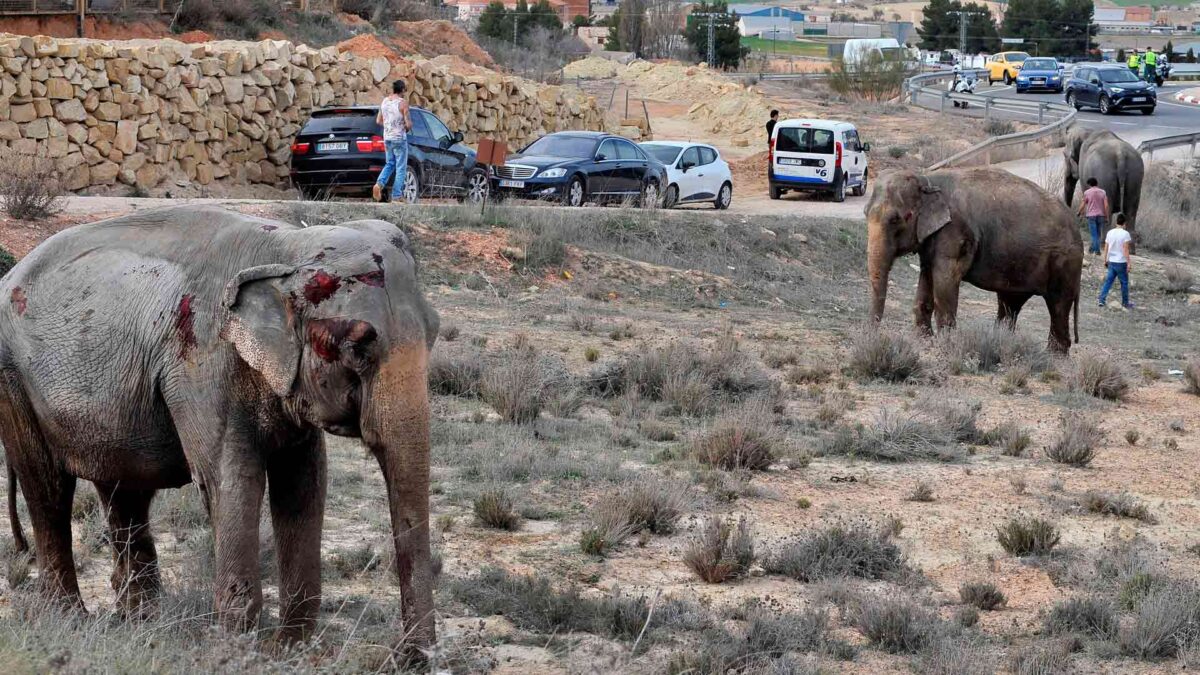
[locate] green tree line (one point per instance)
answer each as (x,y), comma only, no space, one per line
(1048,27)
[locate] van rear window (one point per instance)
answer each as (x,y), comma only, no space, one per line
(800,139)
(330,121)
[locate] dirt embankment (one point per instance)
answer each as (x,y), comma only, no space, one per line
(438,38)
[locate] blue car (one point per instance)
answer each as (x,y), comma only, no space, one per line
(1040,73)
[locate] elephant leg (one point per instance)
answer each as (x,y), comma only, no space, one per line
(1009,308)
(947,277)
(237,509)
(135,560)
(1060,305)
(923,305)
(297,493)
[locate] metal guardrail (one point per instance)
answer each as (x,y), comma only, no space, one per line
(916,87)
(1148,147)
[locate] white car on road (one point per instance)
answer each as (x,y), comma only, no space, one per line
(695,173)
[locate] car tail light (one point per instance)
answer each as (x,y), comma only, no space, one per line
(301,148)
(375,144)
(837,155)
(770,152)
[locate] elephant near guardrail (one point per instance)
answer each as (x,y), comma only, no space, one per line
(1116,165)
(983,226)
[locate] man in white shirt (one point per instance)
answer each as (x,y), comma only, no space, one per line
(393,117)
(1117,259)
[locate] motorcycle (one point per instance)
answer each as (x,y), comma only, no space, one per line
(1162,73)
(962,84)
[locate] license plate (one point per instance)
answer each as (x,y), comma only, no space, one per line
(333,147)
(512,183)
(1138,99)
(790,162)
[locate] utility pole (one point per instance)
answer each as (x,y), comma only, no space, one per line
(712,55)
(515,18)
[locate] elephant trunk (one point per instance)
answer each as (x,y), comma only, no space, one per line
(879,266)
(395,425)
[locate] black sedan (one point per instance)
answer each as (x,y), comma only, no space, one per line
(341,150)
(1111,89)
(574,167)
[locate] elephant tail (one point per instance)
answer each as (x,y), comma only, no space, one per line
(1076,318)
(19,542)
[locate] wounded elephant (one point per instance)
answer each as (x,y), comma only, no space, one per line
(1116,166)
(987,227)
(197,344)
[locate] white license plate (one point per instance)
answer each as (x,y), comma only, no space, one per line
(790,162)
(333,147)
(1138,99)
(512,183)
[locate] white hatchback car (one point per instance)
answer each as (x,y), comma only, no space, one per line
(695,173)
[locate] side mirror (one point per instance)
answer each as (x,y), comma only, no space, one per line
(866,147)
(456,137)
(600,157)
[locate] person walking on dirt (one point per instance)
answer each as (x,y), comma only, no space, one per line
(1117,259)
(394,118)
(771,125)
(1095,207)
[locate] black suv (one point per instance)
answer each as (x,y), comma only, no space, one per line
(574,167)
(1111,89)
(341,150)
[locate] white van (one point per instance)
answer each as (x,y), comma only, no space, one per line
(817,156)
(859,50)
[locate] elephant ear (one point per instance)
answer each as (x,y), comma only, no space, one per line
(260,324)
(933,214)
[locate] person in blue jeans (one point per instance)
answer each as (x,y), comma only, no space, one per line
(1094,206)
(393,116)
(1117,259)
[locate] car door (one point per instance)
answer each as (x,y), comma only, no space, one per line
(854,159)
(708,177)
(602,181)
(1091,87)
(631,168)
(444,177)
(689,176)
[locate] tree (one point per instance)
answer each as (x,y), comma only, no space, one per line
(1052,26)
(1191,55)
(613,42)
(982,34)
(939,28)
(631,25)
(581,21)
(728,51)
(542,14)
(494,22)
(1121,55)
(1170,50)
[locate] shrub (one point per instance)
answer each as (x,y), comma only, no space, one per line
(1122,505)
(520,384)
(494,508)
(456,375)
(897,151)
(982,594)
(923,492)
(744,438)
(895,437)
(720,552)
(878,355)
(958,418)
(648,504)
(545,248)
(195,15)
(1098,376)
(1092,617)
(607,528)
(1179,280)
(1076,441)
(988,347)
(1164,623)
(590,354)
(29,188)
(86,504)
(1132,436)
(1191,377)
(998,127)
(1016,378)
(1135,588)
(1048,659)
(778,358)
(966,616)
(896,624)
(809,374)
(7,261)
(958,655)
(1169,206)
(860,550)
(1027,536)
(449,332)
(1010,437)
(349,563)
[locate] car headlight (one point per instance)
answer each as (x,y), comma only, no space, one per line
(1053,77)
(1116,90)
(1022,78)
(558,172)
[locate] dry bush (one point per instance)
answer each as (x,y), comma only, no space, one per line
(958,418)
(873,78)
(608,526)
(1136,587)
(895,437)
(543,249)
(519,384)
(1164,624)
(1076,441)
(29,187)
(988,347)
(998,127)
(1122,505)
(982,594)
(958,655)
(449,332)
(778,358)
(879,355)
(1009,437)
(1167,215)
(897,625)
(861,550)
(809,374)
(456,374)
(1191,377)
(923,492)
(494,508)
(766,647)
(1046,659)
(1099,375)
(720,551)
(648,504)
(743,438)
(582,321)
(1179,279)
(1024,536)
(350,563)
(1092,617)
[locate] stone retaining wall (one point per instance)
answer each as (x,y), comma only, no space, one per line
(141,111)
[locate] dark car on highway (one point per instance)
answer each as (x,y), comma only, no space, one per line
(1111,89)
(340,150)
(574,167)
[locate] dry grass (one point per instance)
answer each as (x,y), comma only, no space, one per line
(1023,536)
(1167,215)
(923,492)
(494,508)
(29,187)
(1191,377)
(743,438)
(1122,505)
(861,550)
(456,373)
(982,594)
(1099,375)
(1076,442)
(1009,437)
(1091,617)
(989,347)
(720,551)
(1164,624)
(897,625)
(895,437)
(809,374)
(880,355)
(1178,279)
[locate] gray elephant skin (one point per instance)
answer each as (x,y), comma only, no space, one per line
(1116,166)
(197,344)
(986,227)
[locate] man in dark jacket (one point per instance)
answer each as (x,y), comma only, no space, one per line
(771,124)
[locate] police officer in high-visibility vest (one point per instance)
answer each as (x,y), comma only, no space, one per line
(1132,61)
(1151,61)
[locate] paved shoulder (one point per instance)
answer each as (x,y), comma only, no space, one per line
(1191,96)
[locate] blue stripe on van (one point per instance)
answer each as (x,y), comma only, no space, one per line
(800,179)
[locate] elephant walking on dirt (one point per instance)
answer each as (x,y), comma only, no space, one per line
(987,227)
(197,344)
(1116,165)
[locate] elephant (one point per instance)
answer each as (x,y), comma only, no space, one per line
(1116,166)
(188,344)
(984,226)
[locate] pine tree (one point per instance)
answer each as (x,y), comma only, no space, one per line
(1191,55)
(727,39)
(1170,51)
(982,35)
(494,22)
(542,14)
(613,42)
(939,27)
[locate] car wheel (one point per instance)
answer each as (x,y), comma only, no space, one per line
(412,186)
(477,187)
(1105,105)
(1072,101)
(671,197)
(575,193)
(1008,80)
(839,190)
(860,190)
(1147,111)
(650,198)
(776,193)
(724,197)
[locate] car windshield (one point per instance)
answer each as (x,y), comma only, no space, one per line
(663,153)
(799,139)
(1040,64)
(1017,57)
(562,146)
(1118,75)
